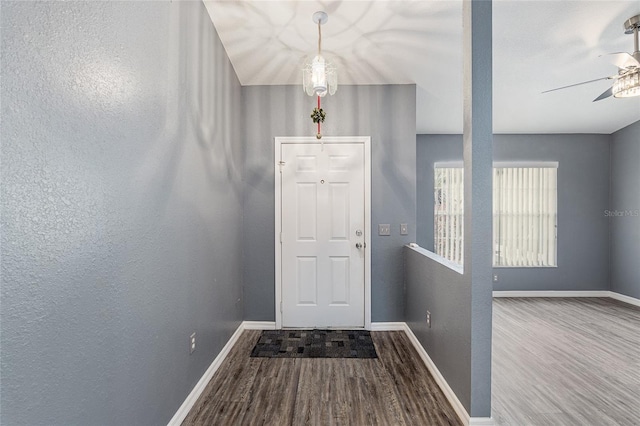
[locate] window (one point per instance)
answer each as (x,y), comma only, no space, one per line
(524,214)
(448,213)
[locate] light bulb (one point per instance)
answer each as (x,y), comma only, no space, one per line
(319,76)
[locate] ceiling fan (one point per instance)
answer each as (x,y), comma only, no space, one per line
(627,82)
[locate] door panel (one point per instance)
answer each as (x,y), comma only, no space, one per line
(339,280)
(306,206)
(322,209)
(306,281)
(339,211)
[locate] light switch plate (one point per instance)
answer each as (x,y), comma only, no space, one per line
(384,229)
(404,229)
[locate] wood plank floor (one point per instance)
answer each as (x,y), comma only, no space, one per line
(559,361)
(394,389)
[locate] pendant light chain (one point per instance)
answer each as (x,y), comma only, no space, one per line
(318,117)
(319,38)
(319,134)
(319,121)
(319,77)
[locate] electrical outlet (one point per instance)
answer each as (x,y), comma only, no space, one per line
(495,278)
(404,229)
(192,343)
(384,229)
(428,319)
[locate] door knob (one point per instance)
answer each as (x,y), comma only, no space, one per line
(358,245)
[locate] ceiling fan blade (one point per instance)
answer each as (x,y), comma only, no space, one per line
(584,82)
(622,59)
(605,94)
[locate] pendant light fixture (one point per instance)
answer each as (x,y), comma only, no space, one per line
(319,77)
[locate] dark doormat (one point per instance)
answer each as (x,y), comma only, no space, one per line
(315,344)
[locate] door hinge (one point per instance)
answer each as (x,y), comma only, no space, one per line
(281,238)
(281,164)
(280,307)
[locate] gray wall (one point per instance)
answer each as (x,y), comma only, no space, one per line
(625,199)
(443,291)
(583,193)
(477,144)
(122,209)
(387,114)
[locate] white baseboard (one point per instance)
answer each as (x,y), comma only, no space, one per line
(388,326)
(598,293)
(186,406)
(258,325)
(623,298)
(462,413)
(439,378)
(188,403)
(481,421)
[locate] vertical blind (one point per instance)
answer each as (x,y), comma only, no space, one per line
(448,213)
(524,215)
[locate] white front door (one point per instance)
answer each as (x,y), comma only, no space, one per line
(322,242)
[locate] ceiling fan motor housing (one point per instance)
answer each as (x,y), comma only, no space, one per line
(632,26)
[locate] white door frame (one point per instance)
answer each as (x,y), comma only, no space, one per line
(366,141)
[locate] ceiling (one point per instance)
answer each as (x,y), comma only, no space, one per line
(537,45)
